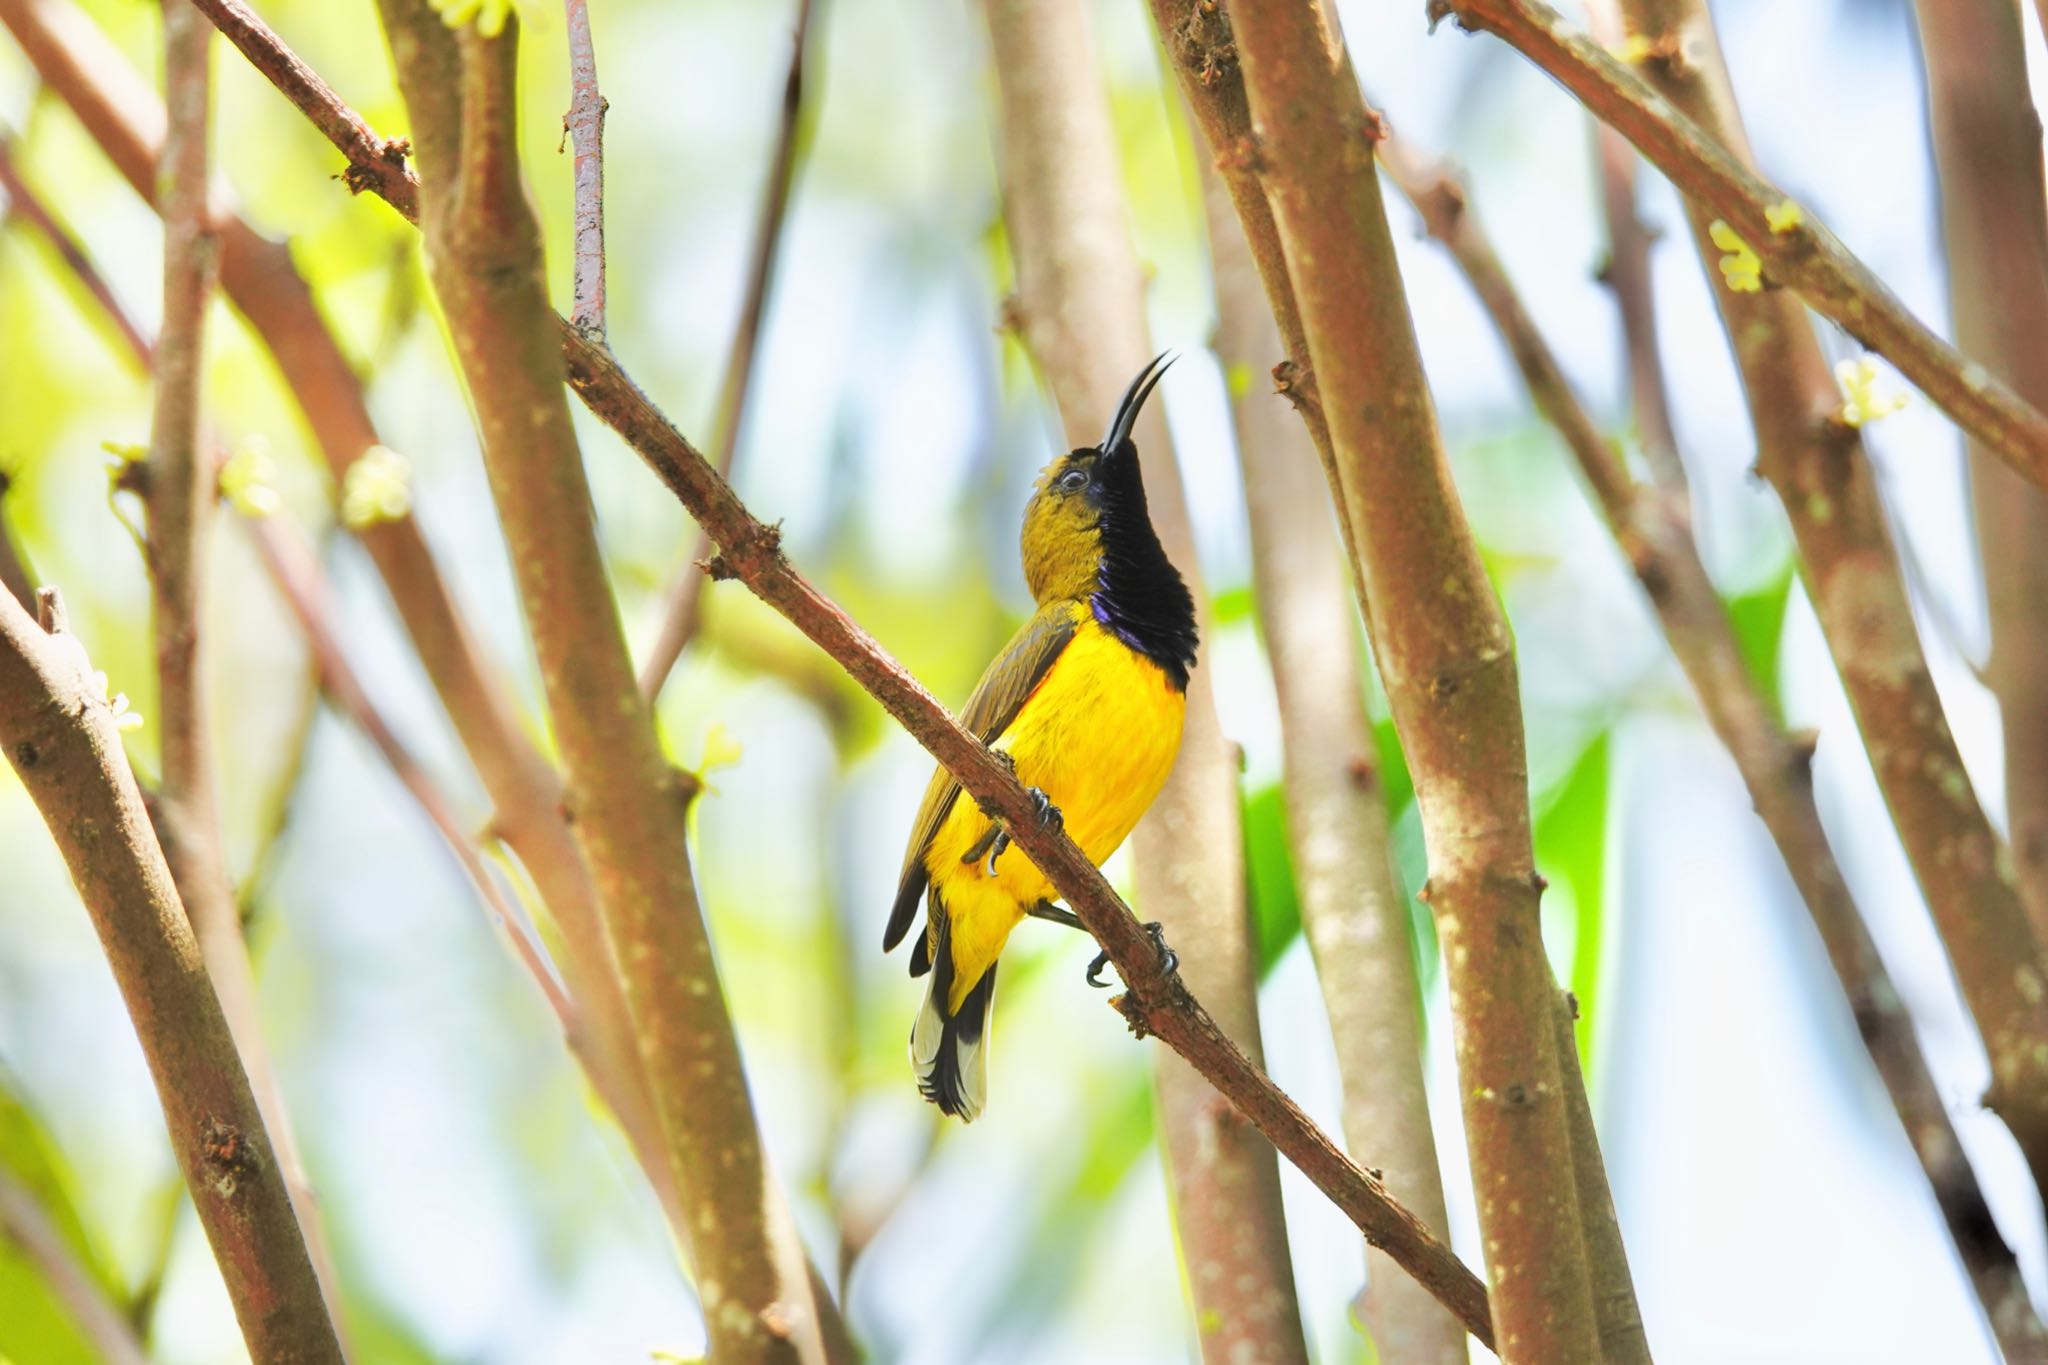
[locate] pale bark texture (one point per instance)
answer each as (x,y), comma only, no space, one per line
(1650,526)
(1987,153)
(1820,471)
(1444,653)
(1080,305)
(1354,911)
(60,735)
(627,807)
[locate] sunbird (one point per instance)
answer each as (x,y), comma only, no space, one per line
(1085,705)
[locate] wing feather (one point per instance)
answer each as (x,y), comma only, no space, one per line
(1009,681)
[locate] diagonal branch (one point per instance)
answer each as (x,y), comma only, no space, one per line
(682,614)
(1155,1003)
(1803,255)
(60,735)
(29,207)
(1652,532)
(1816,463)
(24,1223)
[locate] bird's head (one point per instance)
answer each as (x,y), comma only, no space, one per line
(1083,496)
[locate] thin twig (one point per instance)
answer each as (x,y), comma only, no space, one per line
(1156,1004)
(24,203)
(60,735)
(1627,273)
(1816,463)
(1354,911)
(629,808)
(682,613)
(23,1222)
(1987,150)
(296,573)
(584,125)
(1797,252)
(1079,305)
(258,276)
(180,501)
(1653,533)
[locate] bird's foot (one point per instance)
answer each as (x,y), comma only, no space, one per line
(1048,815)
(1168,964)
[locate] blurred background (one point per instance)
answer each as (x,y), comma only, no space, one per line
(480,1207)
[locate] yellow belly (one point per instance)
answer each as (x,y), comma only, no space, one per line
(1098,737)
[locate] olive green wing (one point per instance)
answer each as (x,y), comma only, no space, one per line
(1012,678)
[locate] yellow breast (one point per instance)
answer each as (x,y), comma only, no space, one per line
(1098,737)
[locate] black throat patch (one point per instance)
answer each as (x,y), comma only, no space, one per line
(1139,596)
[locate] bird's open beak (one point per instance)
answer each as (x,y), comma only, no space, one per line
(1119,433)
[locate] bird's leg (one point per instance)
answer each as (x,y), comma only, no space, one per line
(1048,815)
(1169,959)
(1046,910)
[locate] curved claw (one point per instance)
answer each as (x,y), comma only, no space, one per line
(995,851)
(1169,960)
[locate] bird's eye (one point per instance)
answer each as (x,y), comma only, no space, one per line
(1072,481)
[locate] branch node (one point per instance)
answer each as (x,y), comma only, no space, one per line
(50,612)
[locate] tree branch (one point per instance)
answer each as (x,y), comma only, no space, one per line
(23,1222)
(628,808)
(1817,465)
(749,551)
(584,125)
(1804,256)
(258,276)
(1652,532)
(1354,911)
(1446,657)
(682,612)
(24,203)
(1080,301)
(60,735)
(1987,152)
(180,500)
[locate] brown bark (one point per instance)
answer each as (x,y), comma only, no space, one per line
(180,500)
(82,67)
(1156,1002)
(584,125)
(1447,660)
(1080,303)
(1818,468)
(1354,912)
(1987,152)
(628,808)
(1718,179)
(1650,525)
(60,736)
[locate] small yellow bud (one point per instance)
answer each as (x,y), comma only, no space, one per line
(1783,217)
(1862,401)
(1633,50)
(247,479)
(488,15)
(1741,268)
(125,454)
(376,488)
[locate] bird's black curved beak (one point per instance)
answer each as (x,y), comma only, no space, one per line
(1119,434)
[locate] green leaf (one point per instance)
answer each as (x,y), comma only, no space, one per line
(1759,620)
(1269,869)
(1571,851)
(35,1325)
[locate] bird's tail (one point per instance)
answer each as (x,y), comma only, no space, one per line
(949,1051)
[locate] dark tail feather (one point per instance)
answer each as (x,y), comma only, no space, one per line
(950,1052)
